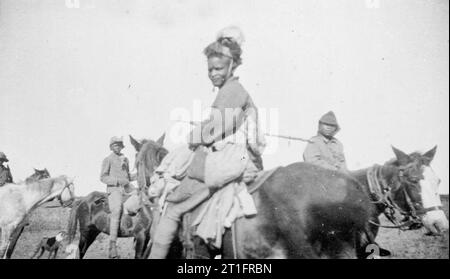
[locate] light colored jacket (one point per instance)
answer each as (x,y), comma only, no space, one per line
(240,127)
(116,171)
(327,153)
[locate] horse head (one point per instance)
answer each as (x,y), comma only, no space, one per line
(148,157)
(137,143)
(41,174)
(417,191)
(38,175)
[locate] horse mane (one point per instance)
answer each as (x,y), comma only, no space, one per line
(147,147)
(48,182)
(416,155)
(148,158)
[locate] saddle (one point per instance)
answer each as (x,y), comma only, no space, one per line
(131,203)
(194,246)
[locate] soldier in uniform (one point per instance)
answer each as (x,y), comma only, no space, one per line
(324,149)
(5,172)
(115,173)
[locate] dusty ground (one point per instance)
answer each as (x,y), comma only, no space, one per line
(49,221)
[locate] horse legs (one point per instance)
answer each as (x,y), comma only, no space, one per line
(141,242)
(14,238)
(374,231)
(86,239)
(346,252)
(6,239)
(365,241)
(147,245)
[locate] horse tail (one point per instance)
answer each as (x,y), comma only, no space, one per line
(73,220)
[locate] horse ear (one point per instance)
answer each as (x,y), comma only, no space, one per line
(428,156)
(402,157)
(137,145)
(160,141)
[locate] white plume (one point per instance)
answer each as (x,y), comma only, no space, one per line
(233,32)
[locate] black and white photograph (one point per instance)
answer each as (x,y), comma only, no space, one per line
(225,129)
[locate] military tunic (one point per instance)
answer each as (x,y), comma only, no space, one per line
(115,170)
(327,153)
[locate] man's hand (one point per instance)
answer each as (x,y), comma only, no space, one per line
(193,146)
(122,182)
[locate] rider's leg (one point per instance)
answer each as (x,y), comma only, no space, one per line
(168,225)
(115,206)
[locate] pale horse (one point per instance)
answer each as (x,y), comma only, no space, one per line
(19,200)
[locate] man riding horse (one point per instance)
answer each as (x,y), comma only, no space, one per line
(116,175)
(233,122)
(324,149)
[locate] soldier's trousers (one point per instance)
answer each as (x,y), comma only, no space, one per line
(168,225)
(115,198)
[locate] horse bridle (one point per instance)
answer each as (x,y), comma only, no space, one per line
(383,192)
(72,196)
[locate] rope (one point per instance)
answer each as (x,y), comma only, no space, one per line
(402,226)
(195,123)
(288,137)
(382,192)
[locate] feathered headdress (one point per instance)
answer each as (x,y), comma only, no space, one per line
(232,32)
(228,43)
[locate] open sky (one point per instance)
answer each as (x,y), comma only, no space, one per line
(74,73)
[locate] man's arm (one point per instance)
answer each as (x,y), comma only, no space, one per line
(104,174)
(343,166)
(312,155)
(3,177)
(9,178)
(131,176)
(226,116)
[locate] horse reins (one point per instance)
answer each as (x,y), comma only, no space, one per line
(416,212)
(72,196)
(382,192)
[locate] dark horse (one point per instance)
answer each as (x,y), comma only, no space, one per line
(305,211)
(92,215)
(37,175)
(407,187)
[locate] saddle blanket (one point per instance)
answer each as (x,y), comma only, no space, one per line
(131,202)
(224,207)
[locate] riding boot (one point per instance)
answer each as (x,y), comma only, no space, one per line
(114,229)
(115,205)
(168,225)
(113,250)
(164,235)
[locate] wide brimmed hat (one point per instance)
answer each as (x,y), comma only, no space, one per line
(116,140)
(3,157)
